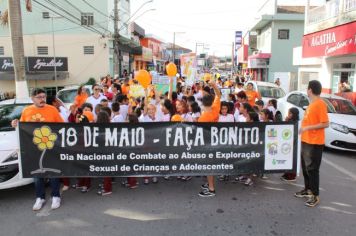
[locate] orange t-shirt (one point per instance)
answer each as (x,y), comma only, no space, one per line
(316,113)
(125,89)
(79,100)
(251,97)
(47,113)
(212,116)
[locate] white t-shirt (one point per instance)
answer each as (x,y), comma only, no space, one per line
(272,109)
(124,109)
(195,116)
(236,114)
(241,118)
(227,118)
(198,95)
(187,117)
(64,112)
(118,119)
(146,118)
(165,117)
(95,101)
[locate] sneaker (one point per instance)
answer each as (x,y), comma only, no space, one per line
(132,186)
(167,177)
(186,178)
(146,181)
(85,189)
(207,193)
(284,178)
(312,201)
(248,182)
(205,186)
(155,180)
(65,188)
(56,202)
(263,176)
(38,204)
(241,179)
(303,193)
(103,193)
(76,186)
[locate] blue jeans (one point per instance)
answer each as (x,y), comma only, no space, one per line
(40,187)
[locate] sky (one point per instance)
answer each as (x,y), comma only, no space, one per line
(209,22)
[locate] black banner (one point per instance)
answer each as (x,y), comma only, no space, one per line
(157,149)
(47,64)
(6,64)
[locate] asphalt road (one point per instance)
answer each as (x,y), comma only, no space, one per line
(174,208)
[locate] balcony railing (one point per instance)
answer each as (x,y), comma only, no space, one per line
(327,11)
(349,5)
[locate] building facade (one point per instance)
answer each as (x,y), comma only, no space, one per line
(78,34)
(279,29)
(328,51)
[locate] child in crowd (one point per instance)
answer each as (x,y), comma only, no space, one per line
(225,113)
(266,115)
(293,115)
(117,117)
(194,111)
(103,117)
(260,104)
(104,102)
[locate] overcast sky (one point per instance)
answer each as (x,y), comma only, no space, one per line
(212,22)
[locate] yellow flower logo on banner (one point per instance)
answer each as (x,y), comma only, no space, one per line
(37,117)
(44,138)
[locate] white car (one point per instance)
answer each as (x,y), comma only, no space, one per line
(267,90)
(9,145)
(68,94)
(341,133)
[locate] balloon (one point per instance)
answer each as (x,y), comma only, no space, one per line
(144,78)
(207,77)
(176,118)
(171,69)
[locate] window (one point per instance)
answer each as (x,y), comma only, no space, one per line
(9,113)
(283,34)
(45,15)
(42,50)
(294,99)
(88,50)
(87,19)
(2,52)
(304,101)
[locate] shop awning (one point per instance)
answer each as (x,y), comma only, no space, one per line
(260,56)
(36,76)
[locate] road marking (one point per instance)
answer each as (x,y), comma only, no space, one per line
(341,169)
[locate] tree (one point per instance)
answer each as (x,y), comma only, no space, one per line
(14,21)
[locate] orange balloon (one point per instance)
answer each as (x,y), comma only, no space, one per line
(176,118)
(171,69)
(144,78)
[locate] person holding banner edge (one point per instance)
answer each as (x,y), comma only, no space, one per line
(313,139)
(211,112)
(41,112)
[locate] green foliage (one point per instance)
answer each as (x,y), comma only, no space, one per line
(91,81)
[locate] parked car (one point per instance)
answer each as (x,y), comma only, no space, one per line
(68,94)
(341,133)
(9,146)
(267,90)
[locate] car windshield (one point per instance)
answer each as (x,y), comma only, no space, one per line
(8,113)
(340,106)
(270,92)
(68,96)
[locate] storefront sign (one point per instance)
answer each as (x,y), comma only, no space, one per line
(47,64)
(340,40)
(157,149)
(257,63)
(6,64)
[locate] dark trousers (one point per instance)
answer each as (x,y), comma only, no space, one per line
(311,160)
(40,187)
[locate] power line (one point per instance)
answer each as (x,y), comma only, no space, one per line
(96,9)
(86,27)
(75,7)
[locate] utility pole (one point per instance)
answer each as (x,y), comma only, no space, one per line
(232,59)
(54,57)
(174,47)
(15,24)
(116,38)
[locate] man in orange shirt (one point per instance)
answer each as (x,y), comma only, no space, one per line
(41,112)
(252,94)
(211,111)
(313,139)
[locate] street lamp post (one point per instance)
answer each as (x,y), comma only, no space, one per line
(174,44)
(54,57)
